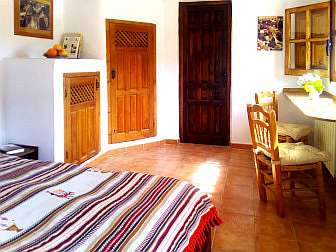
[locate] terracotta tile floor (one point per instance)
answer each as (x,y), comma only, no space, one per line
(228,174)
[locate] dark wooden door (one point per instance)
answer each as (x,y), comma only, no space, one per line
(131,80)
(205,70)
(81,116)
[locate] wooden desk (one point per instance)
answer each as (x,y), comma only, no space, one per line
(323,111)
(323,108)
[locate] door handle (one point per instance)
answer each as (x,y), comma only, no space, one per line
(328,46)
(114,73)
(225,76)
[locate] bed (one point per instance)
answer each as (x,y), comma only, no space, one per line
(47,206)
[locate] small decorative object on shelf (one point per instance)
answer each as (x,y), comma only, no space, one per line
(56,52)
(10,149)
(72,43)
(312,84)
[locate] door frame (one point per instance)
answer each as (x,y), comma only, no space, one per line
(332,73)
(109,73)
(182,12)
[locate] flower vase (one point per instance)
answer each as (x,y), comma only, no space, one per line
(314,95)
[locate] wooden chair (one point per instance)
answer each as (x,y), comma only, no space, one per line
(287,132)
(283,167)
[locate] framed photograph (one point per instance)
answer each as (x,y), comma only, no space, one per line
(33,18)
(270,33)
(72,42)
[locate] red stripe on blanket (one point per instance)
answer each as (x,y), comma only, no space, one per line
(135,215)
(198,238)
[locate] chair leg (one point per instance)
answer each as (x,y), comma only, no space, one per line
(260,181)
(304,140)
(291,184)
(292,188)
(279,198)
(289,139)
(320,189)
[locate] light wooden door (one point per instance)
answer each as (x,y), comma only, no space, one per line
(131,80)
(205,72)
(81,116)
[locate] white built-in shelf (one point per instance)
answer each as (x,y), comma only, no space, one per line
(34,101)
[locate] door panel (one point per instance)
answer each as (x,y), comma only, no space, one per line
(81,116)
(205,71)
(131,80)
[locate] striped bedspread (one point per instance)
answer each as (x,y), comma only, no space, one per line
(62,207)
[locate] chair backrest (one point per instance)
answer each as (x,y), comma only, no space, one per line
(263,130)
(268,100)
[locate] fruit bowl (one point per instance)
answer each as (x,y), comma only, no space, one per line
(56,52)
(56,57)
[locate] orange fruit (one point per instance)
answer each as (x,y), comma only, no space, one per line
(52,53)
(63,53)
(58,47)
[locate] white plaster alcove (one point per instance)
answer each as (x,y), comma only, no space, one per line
(34,109)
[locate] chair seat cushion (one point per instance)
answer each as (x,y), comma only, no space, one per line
(299,154)
(295,131)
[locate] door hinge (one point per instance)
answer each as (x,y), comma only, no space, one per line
(65,93)
(97,84)
(66,155)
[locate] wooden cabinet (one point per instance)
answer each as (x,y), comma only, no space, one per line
(307,39)
(34,98)
(81,116)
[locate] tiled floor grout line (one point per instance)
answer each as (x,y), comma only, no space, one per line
(295,235)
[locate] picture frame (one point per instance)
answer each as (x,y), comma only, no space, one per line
(34,18)
(72,42)
(270,33)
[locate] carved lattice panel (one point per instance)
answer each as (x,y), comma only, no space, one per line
(131,39)
(82,93)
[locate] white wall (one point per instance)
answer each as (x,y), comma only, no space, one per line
(252,70)
(35,109)
(2,125)
(29,95)
(97,12)
(19,46)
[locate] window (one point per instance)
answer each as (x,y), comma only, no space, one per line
(307,39)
